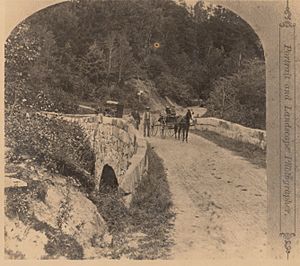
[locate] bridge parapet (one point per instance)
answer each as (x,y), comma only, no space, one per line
(234,131)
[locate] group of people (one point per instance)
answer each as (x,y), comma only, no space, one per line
(147,118)
(180,122)
(169,112)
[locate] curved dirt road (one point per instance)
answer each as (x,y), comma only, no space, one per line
(219,200)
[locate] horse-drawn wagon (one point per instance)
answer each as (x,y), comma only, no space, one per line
(113,109)
(164,125)
(170,124)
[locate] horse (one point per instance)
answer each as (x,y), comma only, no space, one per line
(183,123)
(163,122)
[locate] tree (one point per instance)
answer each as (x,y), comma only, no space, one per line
(240,97)
(91,49)
(22,50)
(93,64)
(110,47)
(125,58)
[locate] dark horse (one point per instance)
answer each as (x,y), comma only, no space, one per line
(183,123)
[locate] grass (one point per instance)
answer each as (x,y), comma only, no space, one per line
(143,230)
(151,206)
(250,152)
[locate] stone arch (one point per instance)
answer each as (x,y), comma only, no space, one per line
(264,18)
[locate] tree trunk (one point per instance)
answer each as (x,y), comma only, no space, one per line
(223,102)
(240,59)
(109,65)
(14,104)
(121,63)
(110,44)
(120,74)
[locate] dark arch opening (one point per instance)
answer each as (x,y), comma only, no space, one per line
(108,180)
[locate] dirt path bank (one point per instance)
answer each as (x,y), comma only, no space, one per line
(219,200)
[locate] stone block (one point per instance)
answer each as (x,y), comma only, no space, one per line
(11,182)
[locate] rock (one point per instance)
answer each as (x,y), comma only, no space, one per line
(139,235)
(107,239)
(70,210)
(14,182)
(133,244)
(11,174)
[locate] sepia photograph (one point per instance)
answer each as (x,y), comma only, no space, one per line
(151,130)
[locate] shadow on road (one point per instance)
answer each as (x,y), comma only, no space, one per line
(248,151)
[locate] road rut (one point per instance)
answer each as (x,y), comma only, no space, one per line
(219,200)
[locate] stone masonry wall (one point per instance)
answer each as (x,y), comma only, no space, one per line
(115,143)
(112,140)
(234,131)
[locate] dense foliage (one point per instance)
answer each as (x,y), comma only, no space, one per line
(239,97)
(60,146)
(86,50)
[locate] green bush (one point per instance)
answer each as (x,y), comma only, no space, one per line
(60,146)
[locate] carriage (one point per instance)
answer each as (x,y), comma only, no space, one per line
(164,125)
(113,109)
(170,124)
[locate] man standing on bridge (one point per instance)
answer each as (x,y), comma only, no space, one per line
(147,118)
(137,119)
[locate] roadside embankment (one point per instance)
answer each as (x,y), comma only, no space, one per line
(53,210)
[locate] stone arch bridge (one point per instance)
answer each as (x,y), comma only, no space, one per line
(265,18)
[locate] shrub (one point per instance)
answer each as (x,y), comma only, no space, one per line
(18,200)
(63,245)
(59,145)
(17,204)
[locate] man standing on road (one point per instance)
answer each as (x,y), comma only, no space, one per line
(147,117)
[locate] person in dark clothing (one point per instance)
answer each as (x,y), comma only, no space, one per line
(147,117)
(137,118)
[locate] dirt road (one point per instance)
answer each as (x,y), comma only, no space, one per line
(219,200)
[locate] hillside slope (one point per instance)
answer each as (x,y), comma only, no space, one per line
(50,217)
(149,94)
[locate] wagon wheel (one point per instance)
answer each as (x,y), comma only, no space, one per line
(170,130)
(153,130)
(162,129)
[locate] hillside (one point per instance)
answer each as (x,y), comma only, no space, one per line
(150,95)
(92,51)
